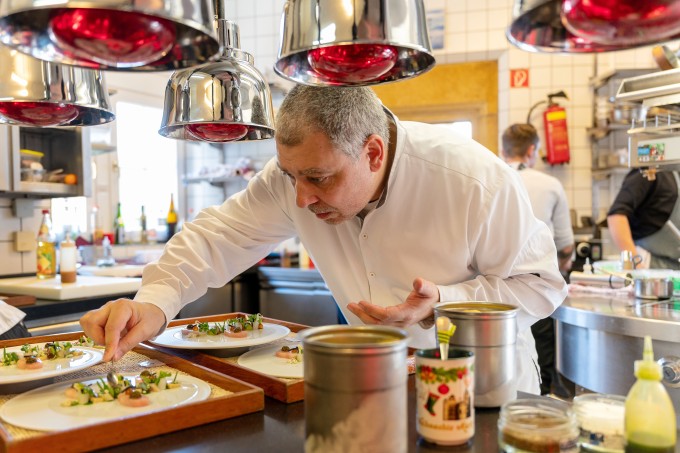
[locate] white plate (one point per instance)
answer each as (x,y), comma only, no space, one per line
(172,338)
(264,360)
(41,408)
(51,368)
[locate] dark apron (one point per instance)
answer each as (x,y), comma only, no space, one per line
(664,245)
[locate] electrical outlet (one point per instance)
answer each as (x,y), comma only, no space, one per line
(24,241)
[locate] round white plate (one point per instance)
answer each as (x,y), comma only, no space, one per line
(51,368)
(172,338)
(41,408)
(264,360)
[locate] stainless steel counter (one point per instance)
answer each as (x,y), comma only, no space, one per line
(599,338)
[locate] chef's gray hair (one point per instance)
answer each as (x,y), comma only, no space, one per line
(348,116)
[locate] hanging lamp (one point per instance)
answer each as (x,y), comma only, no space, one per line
(42,94)
(224,101)
(539,26)
(128,35)
(353,42)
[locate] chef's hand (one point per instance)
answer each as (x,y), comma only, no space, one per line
(122,324)
(416,307)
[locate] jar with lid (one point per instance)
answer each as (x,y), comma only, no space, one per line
(600,418)
(537,425)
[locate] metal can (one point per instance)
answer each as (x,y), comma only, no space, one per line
(355,388)
(489,329)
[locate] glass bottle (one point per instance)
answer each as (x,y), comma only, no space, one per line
(144,238)
(119,227)
(47,250)
(171,219)
(68,257)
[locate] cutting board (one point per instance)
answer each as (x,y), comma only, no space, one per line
(85,286)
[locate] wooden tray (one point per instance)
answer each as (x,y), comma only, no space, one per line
(17,300)
(245,399)
(282,389)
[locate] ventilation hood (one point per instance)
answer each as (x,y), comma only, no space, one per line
(654,136)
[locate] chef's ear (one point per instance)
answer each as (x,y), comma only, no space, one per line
(376,151)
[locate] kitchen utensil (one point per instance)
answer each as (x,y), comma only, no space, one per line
(489,330)
(653,287)
(355,388)
(445,396)
(444,331)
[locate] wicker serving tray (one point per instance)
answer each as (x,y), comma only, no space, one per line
(229,398)
(282,389)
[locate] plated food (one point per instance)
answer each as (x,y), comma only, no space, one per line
(45,360)
(232,328)
(127,392)
(43,408)
(238,332)
(275,361)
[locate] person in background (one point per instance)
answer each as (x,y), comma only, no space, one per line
(11,322)
(396,216)
(520,144)
(645,218)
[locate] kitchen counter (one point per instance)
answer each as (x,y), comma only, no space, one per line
(281,427)
(599,339)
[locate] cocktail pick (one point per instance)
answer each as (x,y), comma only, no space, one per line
(444,332)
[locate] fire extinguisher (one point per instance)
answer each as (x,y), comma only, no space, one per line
(555,127)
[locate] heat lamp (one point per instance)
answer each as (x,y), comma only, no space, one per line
(126,35)
(353,42)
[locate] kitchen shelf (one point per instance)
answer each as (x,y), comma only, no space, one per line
(51,188)
(218,180)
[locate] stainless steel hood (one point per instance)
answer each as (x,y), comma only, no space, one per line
(654,136)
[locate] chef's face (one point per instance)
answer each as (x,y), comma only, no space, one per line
(331,184)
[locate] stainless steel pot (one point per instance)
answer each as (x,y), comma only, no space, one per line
(489,329)
(653,287)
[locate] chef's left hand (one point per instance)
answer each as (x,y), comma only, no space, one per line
(416,307)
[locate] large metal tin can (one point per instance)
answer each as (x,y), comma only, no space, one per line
(489,329)
(355,388)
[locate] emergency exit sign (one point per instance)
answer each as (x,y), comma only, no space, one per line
(519,78)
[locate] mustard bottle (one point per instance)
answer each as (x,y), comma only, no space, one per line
(649,416)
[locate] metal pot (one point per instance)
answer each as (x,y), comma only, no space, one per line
(489,330)
(653,287)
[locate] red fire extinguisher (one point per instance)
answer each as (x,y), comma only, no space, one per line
(556,132)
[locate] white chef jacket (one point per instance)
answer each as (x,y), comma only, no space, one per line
(10,316)
(453,213)
(549,202)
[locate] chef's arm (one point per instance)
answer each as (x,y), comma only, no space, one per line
(564,258)
(619,228)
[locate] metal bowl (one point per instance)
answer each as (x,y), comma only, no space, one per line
(653,287)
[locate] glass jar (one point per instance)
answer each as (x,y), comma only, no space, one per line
(600,418)
(537,425)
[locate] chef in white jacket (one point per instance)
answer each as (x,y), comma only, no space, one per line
(395,215)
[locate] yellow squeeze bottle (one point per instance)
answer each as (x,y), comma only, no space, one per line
(649,417)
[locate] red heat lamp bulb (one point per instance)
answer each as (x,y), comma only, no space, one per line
(111,37)
(622,22)
(353,63)
(41,114)
(217,132)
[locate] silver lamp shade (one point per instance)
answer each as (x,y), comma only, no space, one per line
(128,35)
(539,26)
(353,42)
(223,101)
(41,94)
